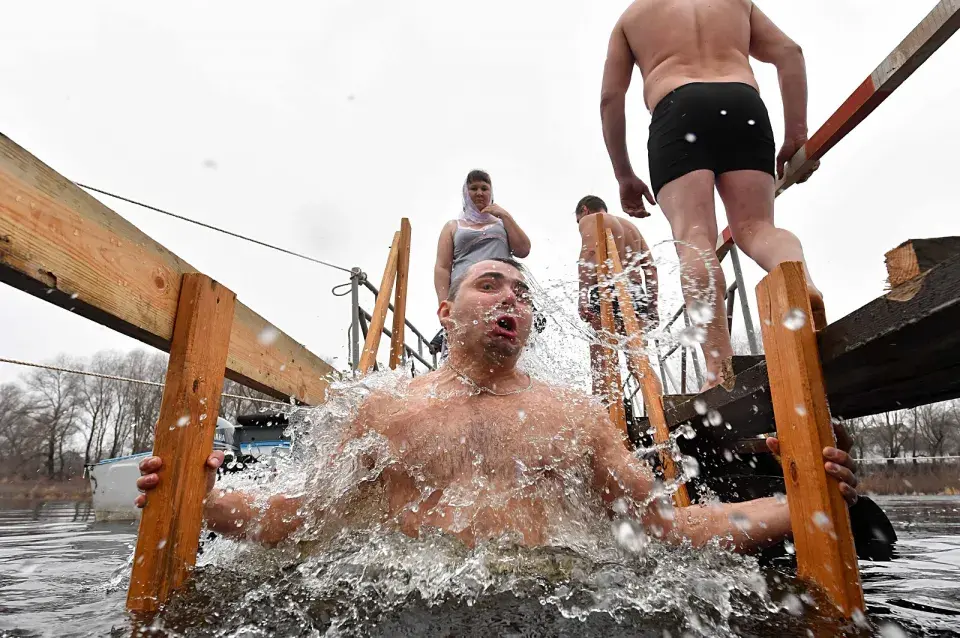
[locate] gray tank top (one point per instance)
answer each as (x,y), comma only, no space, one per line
(474,245)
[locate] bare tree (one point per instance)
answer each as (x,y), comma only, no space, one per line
(20,440)
(56,397)
(859,431)
(144,399)
(889,431)
(96,400)
(937,423)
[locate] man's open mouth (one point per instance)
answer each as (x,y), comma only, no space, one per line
(506,326)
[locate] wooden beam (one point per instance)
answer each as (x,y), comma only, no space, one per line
(639,365)
(379,318)
(169,533)
(915,257)
(819,517)
(928,36)
(895,352)
(610,360)
(60,244)
(400,300)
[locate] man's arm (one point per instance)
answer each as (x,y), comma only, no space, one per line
(617,73)
(769,44)
(744,527)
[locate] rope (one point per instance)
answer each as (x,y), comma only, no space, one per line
(211,227)
(113,377)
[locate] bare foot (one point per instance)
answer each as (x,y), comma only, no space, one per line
(817,310)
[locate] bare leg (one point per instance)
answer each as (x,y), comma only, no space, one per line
(748,199)
(687,203)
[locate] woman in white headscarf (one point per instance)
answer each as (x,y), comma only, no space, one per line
(484,230)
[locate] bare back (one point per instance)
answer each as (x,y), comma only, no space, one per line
(626,236)
(676,42)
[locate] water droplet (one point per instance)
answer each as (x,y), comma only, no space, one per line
(630,536)
(801,409)
(692,335)
(700,406)
(723,112)
(860,619)
(892,630)
(75,295)
(908,483)
(475,322)
(283,367)
(27,567)
(522,415)
(780,497)
(728,456)
(162,543)
(794,319)
(620,506)
(822,521)
(182,421)
(203,417)
(268,335)
(666,510)
(690,137)
(690,467)
(789,547)
(700,312)
(751,122)
(686,431)
(714,418)
(792,604)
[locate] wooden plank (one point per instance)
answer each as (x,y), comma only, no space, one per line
(610,360)
(639,365)
(372,343)
(819,517)
(169,533)
(922,42)
(915,257)
(60,244)
(400,301)
(895,352)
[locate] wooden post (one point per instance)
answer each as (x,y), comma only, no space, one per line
(818,513)
(400,301)
(650,386)
(610,361)
(169,533)
(379,317)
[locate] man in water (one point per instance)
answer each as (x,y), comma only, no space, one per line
(709,129)
(637,263)
(480,450)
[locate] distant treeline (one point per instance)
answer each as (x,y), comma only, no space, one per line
(54,422)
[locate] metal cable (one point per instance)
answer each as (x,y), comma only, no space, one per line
(211,227)
(113,377)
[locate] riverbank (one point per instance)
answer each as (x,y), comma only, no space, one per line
(907,478)
(77,489)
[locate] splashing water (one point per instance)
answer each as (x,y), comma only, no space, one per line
(495,515)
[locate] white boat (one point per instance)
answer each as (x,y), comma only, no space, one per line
(114,481)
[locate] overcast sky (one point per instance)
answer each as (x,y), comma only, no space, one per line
(317,125)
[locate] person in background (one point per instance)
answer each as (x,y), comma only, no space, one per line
(710,131)
(638,265)
(483,230)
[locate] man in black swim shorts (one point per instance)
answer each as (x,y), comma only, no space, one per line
(709,130)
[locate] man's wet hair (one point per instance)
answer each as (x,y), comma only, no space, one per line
(456,283)
(593,203)
(477,175)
